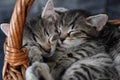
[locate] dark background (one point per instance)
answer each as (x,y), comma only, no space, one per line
(110,7)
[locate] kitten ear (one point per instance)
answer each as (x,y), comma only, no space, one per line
(48,12)
(97,21)
(5,27)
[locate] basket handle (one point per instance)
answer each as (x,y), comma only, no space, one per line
(16,57)
(116,22)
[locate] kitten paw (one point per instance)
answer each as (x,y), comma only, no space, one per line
(38,71)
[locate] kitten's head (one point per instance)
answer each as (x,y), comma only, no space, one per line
(46,35)
(43,28)
(76,27)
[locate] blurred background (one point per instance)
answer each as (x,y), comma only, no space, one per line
(110,7)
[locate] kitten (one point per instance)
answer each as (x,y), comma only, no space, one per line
(75,28)
(97,67)
(82,29)
(40,37)
(40,34)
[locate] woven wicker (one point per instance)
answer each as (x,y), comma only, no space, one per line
(115,22)
(16,57)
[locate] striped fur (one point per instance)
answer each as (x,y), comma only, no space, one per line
(76,31)
(40,37)
(64,58)
(97,67)
(115,54)
(86,62)
(110,36)
(85,52)
(75,53)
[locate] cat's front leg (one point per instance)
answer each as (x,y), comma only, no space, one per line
(35,54)
(38,71)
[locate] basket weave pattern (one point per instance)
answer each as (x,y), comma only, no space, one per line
(16,57)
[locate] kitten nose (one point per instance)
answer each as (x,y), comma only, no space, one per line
(62,39)
(48,50)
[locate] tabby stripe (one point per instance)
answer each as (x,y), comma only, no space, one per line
(71,56)
(34,37)
(91,46)
(101,56)
(73,21)
(86,69)
(77,76)
(81,53)
(81,74)
(61,21)
(86,51)
(93,68)
(76,58)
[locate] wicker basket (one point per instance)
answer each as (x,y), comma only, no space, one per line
(16,57)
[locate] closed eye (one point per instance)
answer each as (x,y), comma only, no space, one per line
(74,33)
(70,33)
(79,34)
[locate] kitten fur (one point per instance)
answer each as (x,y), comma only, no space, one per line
(68,42)
(77,28)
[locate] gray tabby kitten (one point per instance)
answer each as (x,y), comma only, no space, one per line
(40,34)
(78,31)
(40,38)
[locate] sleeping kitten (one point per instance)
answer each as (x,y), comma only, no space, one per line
(75,28)
(99,66)
(40,37)
(78,33)
(40,34)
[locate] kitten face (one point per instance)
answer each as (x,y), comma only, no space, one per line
(76,28)
(45,31)
(46,35)
(75,34)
